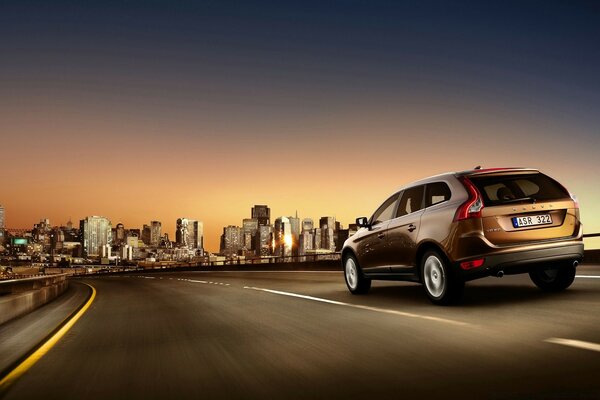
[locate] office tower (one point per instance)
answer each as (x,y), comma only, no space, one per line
(95,233)
(317,238)
(327,239)
(327,222)
(2,226)
(155,231)
(306,242)
(263,240)
(119,234)
(327,225)
(146,233)
(262,213)
(307,224)
(282,237)
(249,230)
(231,240)
(190,234)
(295,230)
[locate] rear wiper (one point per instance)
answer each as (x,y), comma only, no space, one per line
(520,199)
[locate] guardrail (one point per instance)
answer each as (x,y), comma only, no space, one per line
(20,285)
(20,296)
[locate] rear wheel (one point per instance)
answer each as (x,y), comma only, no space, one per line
(553,279)
(441,285)
(355,280)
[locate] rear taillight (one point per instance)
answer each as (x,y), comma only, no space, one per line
(474,204)
(472,264)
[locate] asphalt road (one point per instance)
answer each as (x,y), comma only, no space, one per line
(250,335)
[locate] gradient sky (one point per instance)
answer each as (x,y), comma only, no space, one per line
(162,109)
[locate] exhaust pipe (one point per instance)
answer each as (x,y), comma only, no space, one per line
(575,264)
(499,274)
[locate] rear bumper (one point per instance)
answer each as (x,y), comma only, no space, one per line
(522,261)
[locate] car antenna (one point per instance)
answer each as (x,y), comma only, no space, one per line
(477,167)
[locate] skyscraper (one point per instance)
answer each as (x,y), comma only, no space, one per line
(307,224)
(282,237)
(295,230)
(95,233)
(250,229)
(1,224)
(231,240)
(263,240)
(190,234)
(262,213)
(155,232)
(327,222)
(120,234)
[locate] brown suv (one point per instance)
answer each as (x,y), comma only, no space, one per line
(448,229)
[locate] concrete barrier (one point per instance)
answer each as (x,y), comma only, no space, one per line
(21,296)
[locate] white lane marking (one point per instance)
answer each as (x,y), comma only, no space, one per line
(271,271)
(377,309)
(588,276)
(207,282)
(575,343)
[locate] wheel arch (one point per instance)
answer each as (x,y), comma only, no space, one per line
(423,248)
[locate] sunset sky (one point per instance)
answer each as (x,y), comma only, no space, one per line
(164,109)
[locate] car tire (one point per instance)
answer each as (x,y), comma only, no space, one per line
(355,280)
(553,279)
(441,284)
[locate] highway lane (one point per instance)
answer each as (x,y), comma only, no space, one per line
(250,335)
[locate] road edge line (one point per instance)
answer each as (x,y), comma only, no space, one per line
(19,367)
(577,344)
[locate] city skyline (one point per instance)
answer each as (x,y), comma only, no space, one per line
(151,238)
(152,111)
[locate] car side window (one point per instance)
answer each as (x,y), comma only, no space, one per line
(437,192)
(385,211)
(412,200)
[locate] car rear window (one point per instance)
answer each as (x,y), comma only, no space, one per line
(517,188)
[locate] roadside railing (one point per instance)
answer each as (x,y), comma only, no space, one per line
(19,285)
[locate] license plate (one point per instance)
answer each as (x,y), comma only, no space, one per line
(532,220)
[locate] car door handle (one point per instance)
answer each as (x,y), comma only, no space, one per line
(381,235)
(411,227)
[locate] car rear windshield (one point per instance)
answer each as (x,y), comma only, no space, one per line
(518,188)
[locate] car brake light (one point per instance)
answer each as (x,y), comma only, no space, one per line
(472,264)
(474,204)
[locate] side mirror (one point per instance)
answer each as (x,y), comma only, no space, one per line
(362,222)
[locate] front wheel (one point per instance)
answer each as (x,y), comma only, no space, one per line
(356,282)
(553,279)
(441,285)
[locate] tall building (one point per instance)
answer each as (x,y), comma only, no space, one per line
(306,242)
(190,234)
(2,226)
(295,230)
(282,237)
(307,224)
(155,233)
(95,233)
(119,234)
(250,229)
(328,226)
(327,222)
(262,213)
(231,240)
(263,241)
